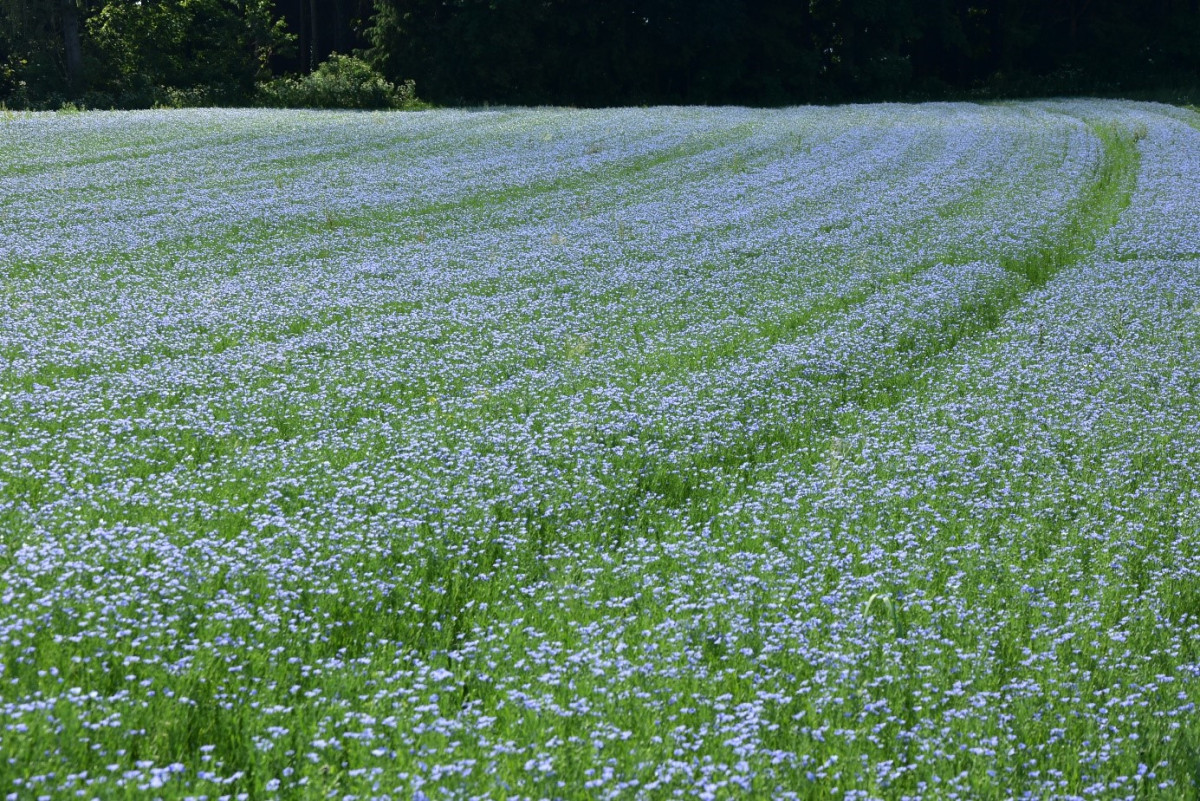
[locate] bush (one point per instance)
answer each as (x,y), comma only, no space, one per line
(339,82)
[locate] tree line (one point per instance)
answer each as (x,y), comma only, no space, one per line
(131,53)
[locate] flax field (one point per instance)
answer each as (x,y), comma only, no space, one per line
(815,453)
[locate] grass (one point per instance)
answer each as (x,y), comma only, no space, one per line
(719,453)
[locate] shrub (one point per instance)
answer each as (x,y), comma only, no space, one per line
(339,82)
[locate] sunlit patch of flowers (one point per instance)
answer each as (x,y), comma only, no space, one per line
(601,454)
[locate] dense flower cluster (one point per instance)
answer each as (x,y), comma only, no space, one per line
(601,454)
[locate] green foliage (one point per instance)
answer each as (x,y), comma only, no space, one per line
(136,55)
(122,53)
(184,52)
(711,51)
(340,82)
(10,83)
(31,60)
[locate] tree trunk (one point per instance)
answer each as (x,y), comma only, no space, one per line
(72,46)
(339,28)
(314,38)
(302,54)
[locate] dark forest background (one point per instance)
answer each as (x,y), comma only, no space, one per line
(137,53)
